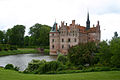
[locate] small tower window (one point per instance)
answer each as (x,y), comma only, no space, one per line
(52,46)
(62,40)
(52,34)
(62,46)
(68,39)
(52,40)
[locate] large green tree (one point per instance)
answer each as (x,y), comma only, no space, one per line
(115,50)
(26,41)
(1,37)
(82,54)
(15,35)
(104,54)
(39,34)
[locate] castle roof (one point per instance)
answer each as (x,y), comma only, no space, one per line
(54,28)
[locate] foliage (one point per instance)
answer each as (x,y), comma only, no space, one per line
(39,34)
(61,58)
(26,41)
(1,37)
(40,67)
(19,51)
(34,65)
(7,47)
(104,54)
(82,54)
(115,50)
(9,66)
(115,35)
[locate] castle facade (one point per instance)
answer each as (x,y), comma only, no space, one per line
(70,35)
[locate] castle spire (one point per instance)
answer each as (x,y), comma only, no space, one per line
(87,22)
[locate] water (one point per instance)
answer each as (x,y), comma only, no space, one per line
(22,60)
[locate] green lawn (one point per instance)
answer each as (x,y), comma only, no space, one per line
(13,75)
(19,51)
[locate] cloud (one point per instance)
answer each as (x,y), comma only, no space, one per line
(29,12)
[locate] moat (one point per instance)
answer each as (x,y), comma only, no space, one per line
(22,60)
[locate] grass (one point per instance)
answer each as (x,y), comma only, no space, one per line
(19,51)
(14,75)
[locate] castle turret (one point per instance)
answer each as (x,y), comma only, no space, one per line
(88,22)
(54,40)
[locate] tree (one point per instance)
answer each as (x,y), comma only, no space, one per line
(1,37)
(115,49)
(104,54)
(26,41)
(82,54)
(40,34)
(115,34)
(15,35)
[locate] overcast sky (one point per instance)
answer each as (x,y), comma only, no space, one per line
(29,12)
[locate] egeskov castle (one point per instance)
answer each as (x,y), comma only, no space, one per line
(69,35)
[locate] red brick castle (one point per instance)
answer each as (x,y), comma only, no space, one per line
(69,35)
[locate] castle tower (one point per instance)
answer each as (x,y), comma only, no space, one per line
(54,40)
(98,32)
(88,22)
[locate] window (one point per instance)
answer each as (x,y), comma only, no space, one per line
(52,40)
(62,46)
(52,34)
(52,46)
(75,39)
(62,40)
(68,39)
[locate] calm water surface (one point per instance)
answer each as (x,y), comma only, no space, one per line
(22,60)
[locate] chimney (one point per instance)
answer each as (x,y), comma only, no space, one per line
(73,22)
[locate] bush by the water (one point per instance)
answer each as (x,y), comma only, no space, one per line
(61,58)
(7,47)
(39,67)
(10,66)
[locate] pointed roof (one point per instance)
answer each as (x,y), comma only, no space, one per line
(87,22)
(54,28)
(88,16)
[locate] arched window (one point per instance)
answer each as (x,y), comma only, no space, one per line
(52,46)
(68,39)
(75,40)
(62,40)
(52,40)
(62,46)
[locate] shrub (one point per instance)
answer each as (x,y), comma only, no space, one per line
(0,49)
(6,49)
(49,66)
(61,58)
(9,66)
(34,65)
(16,68)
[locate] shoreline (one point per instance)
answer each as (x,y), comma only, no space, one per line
(22,51)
